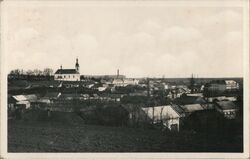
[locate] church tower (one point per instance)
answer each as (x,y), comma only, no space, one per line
(77,66)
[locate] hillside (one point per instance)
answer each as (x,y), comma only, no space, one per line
(66,132)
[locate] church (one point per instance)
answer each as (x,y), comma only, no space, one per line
(68,74)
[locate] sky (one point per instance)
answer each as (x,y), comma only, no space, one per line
(140,41)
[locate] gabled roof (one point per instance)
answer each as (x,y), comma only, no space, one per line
(66,71)
(218,82)
(70,95)
(230,81)
(178,109)
(52,95)
(161,112)
(226,105)
(192,108)
(31,97)
(190,100)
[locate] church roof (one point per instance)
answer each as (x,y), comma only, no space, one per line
(66,71)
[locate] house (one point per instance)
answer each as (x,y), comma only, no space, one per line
(220,98)
(24,100)
(52,95)
(165,114)
(70,96)
(231,84)
(123,82)
(190,108)
(100,89)
(191,104)
(11,103)
(227,108)
(138,93)
(195,94)
(68,74)
(217,85)
(136,116)
(185,99)
(49,97)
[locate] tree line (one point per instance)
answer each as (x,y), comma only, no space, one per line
(36,72)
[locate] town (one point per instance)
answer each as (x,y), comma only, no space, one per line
(177,107)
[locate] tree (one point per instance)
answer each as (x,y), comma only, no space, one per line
(48,72)
(15,72)
(192,82)
(37,72)
(29,72)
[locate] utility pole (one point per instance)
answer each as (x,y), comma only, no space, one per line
(117,73)
(192,83)
(148,92)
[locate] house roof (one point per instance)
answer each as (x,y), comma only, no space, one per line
(230,81)
(192,108)
(70,95)
(226,105)
(52,94)
(66,71)
(31,97)
(161,112)
(190,100)
(218,82)
(178,109)
(23,102)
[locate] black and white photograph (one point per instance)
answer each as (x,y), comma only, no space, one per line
(125,78)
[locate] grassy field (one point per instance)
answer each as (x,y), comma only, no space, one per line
(58,134)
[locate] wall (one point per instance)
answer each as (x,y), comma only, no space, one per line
(67,77)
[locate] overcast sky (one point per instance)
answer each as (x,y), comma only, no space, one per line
(142,41)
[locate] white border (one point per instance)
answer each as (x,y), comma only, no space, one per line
(161,3)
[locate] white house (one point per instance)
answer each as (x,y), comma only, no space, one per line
(227,108)
(190,108)
(68,74)
(166,114)
(24,100)
(231,84)
(124,82)
(221,98)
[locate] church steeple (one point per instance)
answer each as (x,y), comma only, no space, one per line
(77,65)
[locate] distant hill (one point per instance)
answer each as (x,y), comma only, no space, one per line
(103,76)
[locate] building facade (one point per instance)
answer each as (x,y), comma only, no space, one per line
(68,74)
(231,84)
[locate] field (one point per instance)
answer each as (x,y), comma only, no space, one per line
(67,133)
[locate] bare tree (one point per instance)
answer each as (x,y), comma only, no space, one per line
(161,114)
(29,72)
(37,72)
(15,72)
(153,118)
(47,71)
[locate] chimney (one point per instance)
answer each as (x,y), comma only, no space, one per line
(118,73)
(61,67)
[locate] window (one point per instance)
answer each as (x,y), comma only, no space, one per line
(69,76)
(73,76)
(64,76)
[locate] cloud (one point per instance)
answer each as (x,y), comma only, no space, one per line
(26,34)
(227,16)
(176,39)
(221,23)
(23,38)
(180,34)
(150,26)
(139,41)
(84,42)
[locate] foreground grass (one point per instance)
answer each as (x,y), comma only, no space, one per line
(47,136)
